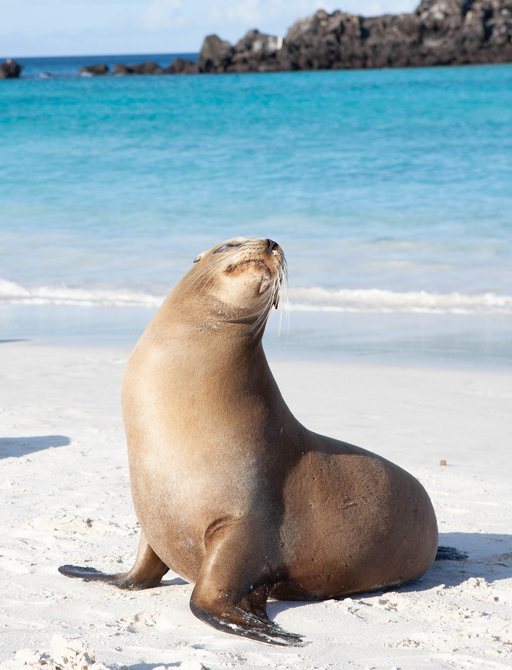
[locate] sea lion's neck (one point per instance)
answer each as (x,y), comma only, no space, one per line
(179,318)
(216,335)
(226,343)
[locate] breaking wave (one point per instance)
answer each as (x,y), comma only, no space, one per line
(16,294)
(378,300)
(299,299)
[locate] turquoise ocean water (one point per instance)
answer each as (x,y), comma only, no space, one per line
(390,192)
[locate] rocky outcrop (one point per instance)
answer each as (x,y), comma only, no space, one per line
(471,31)
(182,66)
(96,70)
(178,66)
(215,54)
(255,52)
(148,67)
(439,32)
(10,69)
(120,70)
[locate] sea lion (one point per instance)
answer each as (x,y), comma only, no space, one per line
(230,490)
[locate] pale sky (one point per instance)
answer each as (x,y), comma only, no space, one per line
(85,27)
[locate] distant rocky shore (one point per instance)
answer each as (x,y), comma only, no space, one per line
(438,32)
(178,66)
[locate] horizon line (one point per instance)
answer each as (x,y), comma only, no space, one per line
(106,55)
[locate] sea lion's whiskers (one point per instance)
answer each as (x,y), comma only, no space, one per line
(272,300)
(205,273)
(283,303)
(260,322)
(284,299)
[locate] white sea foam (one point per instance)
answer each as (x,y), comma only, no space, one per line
(379,300)
(299,299)
(13,293)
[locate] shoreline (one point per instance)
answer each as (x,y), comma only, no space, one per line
(65,487)
(425,341)
(45,75)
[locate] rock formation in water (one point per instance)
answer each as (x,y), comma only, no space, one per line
(97,70)
(182,66)
(148,67)
(10,69)
(439,32)
(255,52)
(178,66)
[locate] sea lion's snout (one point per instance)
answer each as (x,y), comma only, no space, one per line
(252,254)
(244,273)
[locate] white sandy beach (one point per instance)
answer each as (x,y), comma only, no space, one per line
(65,498)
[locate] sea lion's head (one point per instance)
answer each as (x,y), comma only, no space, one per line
(240,278)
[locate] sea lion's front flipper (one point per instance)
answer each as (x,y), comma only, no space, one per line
(146,573)
(234,582)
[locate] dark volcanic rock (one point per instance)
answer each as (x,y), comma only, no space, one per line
(120,69)
(391,41)
(256,52)
(182,66)
(313,43)
(97,70)
(10,69)
(148,67)
(215,54)
(471,31)
(439,32)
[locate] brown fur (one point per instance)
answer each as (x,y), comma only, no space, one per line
(231,491)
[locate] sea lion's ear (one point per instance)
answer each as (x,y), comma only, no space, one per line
(198,258)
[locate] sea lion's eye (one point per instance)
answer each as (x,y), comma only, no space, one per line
(228,245)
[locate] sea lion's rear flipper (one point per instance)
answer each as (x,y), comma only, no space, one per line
(145,574)
(233,585)
(450,554)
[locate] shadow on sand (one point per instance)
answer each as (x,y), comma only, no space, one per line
(14,339)
(23,446)
(489,558)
